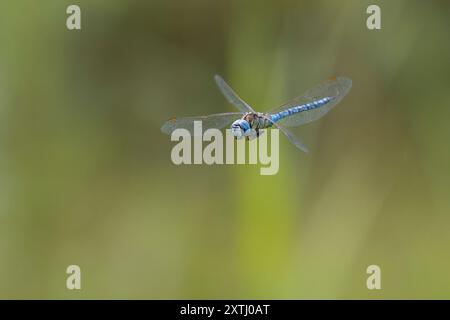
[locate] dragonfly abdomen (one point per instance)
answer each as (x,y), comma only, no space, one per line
(304,107)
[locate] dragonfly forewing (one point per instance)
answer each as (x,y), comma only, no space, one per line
(218,121)
(231,96)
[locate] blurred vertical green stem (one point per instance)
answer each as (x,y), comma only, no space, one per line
(264,222)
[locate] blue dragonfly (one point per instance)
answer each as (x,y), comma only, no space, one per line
(248,123)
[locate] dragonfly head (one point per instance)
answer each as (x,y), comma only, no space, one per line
(240,128)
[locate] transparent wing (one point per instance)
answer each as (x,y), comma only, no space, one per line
(218,121)
(292,138)
(231,96)
(335,88)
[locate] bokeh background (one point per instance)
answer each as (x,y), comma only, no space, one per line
(86,176)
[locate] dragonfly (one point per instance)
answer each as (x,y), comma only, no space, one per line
(248,123)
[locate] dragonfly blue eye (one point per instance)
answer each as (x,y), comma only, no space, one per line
(244,125)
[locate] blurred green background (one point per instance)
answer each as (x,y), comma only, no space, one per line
(86,176)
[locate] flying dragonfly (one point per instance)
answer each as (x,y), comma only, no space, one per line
(248,123)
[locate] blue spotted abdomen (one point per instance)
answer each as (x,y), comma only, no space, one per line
(304,107)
